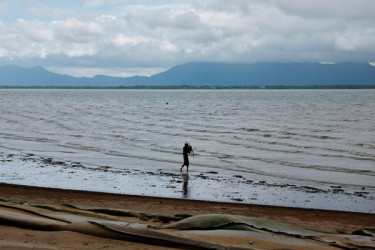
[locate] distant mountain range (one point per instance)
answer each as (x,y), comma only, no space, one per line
(206,74)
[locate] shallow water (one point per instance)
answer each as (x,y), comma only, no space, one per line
(284,136)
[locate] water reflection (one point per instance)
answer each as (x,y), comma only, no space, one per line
(185,185)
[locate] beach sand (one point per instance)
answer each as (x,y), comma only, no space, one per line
(18,205)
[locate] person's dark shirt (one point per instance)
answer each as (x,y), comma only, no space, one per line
(186,150)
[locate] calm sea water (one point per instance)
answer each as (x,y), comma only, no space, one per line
(287,136)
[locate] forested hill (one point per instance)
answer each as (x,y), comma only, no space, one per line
(207,74)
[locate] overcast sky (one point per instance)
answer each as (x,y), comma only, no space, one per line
(124,37)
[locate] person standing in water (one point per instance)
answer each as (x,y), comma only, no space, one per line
(186,150)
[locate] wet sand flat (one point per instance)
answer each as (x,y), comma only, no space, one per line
(32,170)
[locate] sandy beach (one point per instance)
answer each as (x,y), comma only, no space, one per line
(154,212)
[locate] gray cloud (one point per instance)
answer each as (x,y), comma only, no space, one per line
(140,36)
(333,9)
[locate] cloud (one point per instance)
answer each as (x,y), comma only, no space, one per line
(73,30)
(100,3)
(113,71)
(159,34)
(343,9)
(105,18)
(121,40)
(356,40)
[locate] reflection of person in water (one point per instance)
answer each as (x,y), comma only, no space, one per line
(185,186)
(186,150)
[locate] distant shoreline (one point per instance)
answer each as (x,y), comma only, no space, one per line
(196,87)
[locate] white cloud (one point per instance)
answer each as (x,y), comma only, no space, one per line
(78,28)
(188,51)
(105,18)
(113,71)
(77,50)
(100,3)
(148,8)
(122,40)
(169,47)
(41,35)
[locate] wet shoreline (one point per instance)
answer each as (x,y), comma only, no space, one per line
(31,170)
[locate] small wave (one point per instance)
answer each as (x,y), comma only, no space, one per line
(80,147)
(285,137)
(320,130)
(350,120)
(249,129)
(225,156)
(277,150)
(279,143)
(289,133)
(322,137)
(26,138)
(366,145)
(46,120)
(266,142)
(309,166)
(11,121)
(297,149)
(211,131)
(77,136)
(363,154)
(173,152)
